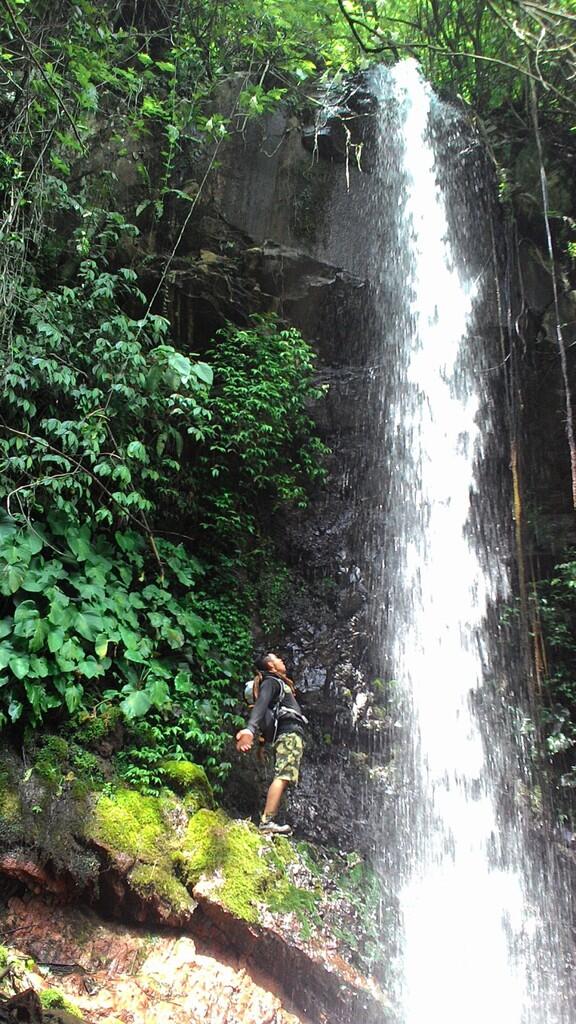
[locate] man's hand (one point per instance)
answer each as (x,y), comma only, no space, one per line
(244,740)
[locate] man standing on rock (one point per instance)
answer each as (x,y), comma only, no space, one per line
(277,715)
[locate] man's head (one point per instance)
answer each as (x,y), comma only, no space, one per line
(271,663)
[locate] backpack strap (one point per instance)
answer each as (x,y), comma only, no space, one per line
(278,711)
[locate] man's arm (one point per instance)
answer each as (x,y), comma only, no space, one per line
(245,738)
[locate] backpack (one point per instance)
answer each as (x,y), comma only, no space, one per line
(279,711)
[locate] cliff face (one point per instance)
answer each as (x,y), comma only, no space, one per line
(304,921)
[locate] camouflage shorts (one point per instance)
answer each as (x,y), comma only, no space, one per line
(288,751)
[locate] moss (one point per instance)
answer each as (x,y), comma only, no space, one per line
(52,999)
(50,760)
(191,780)
(4,955)
(131,823)
(9,799)
(92,729)
(150,879)
(252,868)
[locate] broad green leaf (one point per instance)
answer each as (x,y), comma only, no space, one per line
(204,372)
(60,614)
(73,697)
(6,652)
(135,655)
(55,640)
(158,693)
(34,542)
(19,664)
(174,637)
(136,704)
(66,664)
(39,667)
(101,646)
(36,696)
(14,577)
(38,637)
(90,668)
(8,527)
(79,543)
(15,709)
(26,610)
(71,650)
(183,682)
(136,450)
(88,624)
(5,628)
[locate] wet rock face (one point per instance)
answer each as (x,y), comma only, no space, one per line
(295,194)
(343,125)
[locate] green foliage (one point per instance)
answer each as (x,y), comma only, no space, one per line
(111,435)
(84,623)
(557,601)
(260,441)
(95,404)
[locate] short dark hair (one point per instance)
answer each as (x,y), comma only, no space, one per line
(262,662)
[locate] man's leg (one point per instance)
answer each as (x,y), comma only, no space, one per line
(287,756)
(273,798)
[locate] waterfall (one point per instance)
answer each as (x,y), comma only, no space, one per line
(478,937)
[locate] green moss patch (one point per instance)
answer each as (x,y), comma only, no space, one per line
(51,759)
(131,823)
(250,867)
(9,799)
(191,781)
(52,999)
(92,729)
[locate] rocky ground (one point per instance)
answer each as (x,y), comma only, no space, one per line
(108,972)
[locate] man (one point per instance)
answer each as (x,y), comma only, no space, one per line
(277,715)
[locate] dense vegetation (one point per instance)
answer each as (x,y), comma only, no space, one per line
(134,455)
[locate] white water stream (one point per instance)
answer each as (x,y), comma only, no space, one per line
(470,948)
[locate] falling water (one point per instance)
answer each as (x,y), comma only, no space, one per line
(477,938)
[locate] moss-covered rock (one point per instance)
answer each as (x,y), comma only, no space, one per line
(93,730)
(191,781)
(130,823)
(9,798)
(144,829)
(248,869)
(51,760)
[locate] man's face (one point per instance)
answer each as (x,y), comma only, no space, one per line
(276,664)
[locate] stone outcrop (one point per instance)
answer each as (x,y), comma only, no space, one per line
(176,861)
